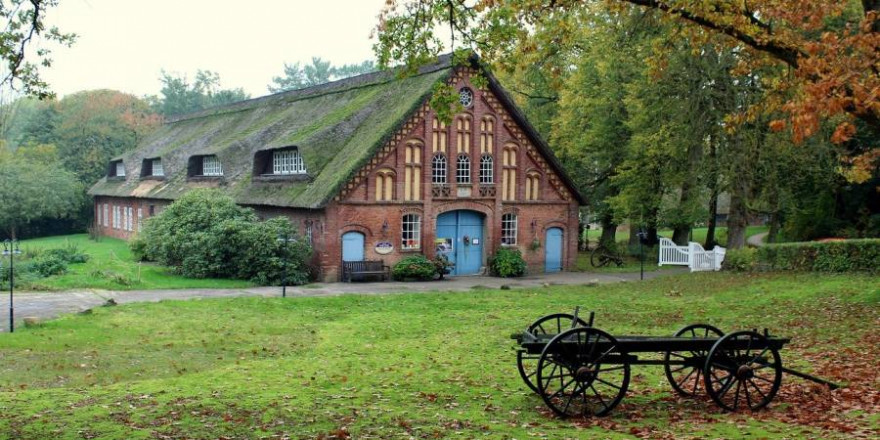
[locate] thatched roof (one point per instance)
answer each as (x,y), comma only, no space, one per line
(337,127)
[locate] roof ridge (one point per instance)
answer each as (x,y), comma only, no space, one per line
(341,85)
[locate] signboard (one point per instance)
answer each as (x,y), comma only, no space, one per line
(443,245)
(384,247)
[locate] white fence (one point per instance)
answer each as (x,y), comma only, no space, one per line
(693,256)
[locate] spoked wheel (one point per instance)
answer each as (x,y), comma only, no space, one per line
(549,325)
(685,379)
(583,372)
(599,257)
(743,371)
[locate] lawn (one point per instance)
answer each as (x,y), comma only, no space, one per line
(112,267)
(425,365)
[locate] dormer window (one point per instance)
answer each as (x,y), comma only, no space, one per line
(152,168)
(204,166)
(116,169)
(288,161)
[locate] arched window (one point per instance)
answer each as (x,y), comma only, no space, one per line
(463,170)
(508,229)
(508,177)
(411,232)
(384,185)
(487,169)
(438,169)
(487,134)
(463,134)
(532,186)
(412,181)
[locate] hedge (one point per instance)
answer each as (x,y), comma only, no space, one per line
(836,256)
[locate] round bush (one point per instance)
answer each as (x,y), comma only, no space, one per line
(48,264)
(507,263)
(416,267)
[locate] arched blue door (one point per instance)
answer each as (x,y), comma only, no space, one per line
(464,231)
(353,246)
(553,250)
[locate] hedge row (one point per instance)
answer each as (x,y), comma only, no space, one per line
(837,256)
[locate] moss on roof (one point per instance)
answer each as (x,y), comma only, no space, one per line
(337,127)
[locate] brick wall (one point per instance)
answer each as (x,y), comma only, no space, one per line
(105,225)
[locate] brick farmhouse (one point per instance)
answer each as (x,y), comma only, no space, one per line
(366,170)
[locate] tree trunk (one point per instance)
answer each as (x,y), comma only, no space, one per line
(774,227)
(713,196)
(633,242)
(737,220)
(609,233)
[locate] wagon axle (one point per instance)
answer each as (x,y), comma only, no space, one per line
(580,370)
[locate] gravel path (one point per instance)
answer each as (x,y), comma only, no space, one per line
(48,305)
(757,240)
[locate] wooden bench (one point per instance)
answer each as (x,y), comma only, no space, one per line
(363,269)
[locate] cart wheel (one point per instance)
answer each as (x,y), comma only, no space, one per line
(685,379)
(583,372)
(549,325)
(743,371)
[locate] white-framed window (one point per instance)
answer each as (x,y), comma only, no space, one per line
(116,217)
(463,170)
(106,215)
(120,169)
(130,223)
(140,218)
(287,162)
(157,169)
(124,224)
(487,169)
(411,232)
(211,166)
(309,232)
(508,229)
(98,214)
(438,169)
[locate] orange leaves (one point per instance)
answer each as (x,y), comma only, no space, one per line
(844,132)
(778,125)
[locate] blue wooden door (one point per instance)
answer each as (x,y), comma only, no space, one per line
(464,229)
(353,246)
(553,250)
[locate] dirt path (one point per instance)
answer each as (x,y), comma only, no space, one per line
(757,240)
(48,305)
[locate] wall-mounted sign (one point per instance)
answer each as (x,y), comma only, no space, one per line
(443,245)
(384,247)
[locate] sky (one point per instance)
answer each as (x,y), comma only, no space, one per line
(125,44)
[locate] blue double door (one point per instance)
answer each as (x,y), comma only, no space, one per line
(460,236)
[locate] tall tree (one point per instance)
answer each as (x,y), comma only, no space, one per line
(180,96)
(298,76)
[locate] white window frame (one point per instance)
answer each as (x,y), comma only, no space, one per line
(140,222)
(130,223)
(287,162)
(156,168)
(309,232)
(120,169)
(439,170)
(463,170)
(98,218)
(211,166)
(508,229)
(487,170)
(106,215)
(124,218)
(411,231)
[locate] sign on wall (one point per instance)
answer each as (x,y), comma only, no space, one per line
(384,247)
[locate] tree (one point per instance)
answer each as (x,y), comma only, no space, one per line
(34,188)
(179,96)
(318,72)
(832,48)
(25,27)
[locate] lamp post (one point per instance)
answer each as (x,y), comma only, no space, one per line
(643,239)
(285,238)
(10,247)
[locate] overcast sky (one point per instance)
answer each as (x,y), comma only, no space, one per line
(124,44)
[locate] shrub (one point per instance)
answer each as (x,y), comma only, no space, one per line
(740,260)
(507,263)
(416,267)
(69,254)
(46,265)
(205,234)
(840,256)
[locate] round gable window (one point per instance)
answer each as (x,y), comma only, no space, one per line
(466,97)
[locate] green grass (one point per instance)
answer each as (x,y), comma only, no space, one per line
(112,267)
(698,234)
(417,365)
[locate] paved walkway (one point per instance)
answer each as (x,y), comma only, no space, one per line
(757,240)
(47,305)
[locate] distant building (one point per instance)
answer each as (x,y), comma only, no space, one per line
(365,170)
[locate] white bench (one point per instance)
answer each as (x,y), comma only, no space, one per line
(693,256)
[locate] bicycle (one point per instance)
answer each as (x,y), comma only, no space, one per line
(604,255)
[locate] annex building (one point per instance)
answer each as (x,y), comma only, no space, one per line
(365,170)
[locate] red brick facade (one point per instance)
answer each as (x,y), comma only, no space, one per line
(375,206)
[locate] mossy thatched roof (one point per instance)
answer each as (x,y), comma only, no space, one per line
(337,128)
